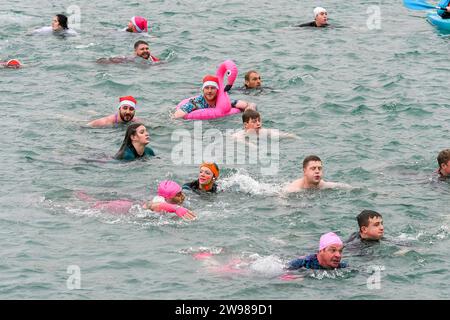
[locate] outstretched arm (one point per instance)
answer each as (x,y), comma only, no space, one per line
(183,213)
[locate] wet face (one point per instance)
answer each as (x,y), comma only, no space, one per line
(141,137)
(143,51)
(253,124)
(331,256)
(55,24)
(210,94)
(322,19)
(254,80)
(131,27)
(375,229)
(205,176)
(127,113)
(179,198)
(445,168)
(313,172)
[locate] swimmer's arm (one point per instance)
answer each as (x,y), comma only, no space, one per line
(178,114)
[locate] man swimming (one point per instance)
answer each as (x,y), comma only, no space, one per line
(127,109)
(141,51)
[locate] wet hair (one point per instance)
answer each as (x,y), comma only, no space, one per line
(62,20)
(310,158)
(131,131)
(139,42)
(364,216)
(443,157)
(250,114)
(247,75)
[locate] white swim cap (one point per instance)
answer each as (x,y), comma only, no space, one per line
(318,10)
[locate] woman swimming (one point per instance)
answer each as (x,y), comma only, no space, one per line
(134,145)
(209,173)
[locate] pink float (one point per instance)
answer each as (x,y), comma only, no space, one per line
(223,105)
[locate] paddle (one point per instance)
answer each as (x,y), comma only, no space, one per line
(419,5)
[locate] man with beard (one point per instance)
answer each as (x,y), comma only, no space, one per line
(312,177)
(141,50)
(127,110)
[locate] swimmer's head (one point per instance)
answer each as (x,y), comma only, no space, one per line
(370,225)
(210,87)
(171,191)
(320,16)
(209,171)
(251,119)
(13,63)
(137,24)
(127,108)
(330,250)
(59,22)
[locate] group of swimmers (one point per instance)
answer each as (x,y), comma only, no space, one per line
(170,196)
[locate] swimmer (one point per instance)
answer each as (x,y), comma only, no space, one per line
(12,63)
(312,177)
(328,257)
(169,199)
(443,160)
(134,145)
(127,110)
(252,80)
(59,27)
(253,126)
(141,51)
(137,24)
(371,227)
(208,99)
(207,177)
(320,19)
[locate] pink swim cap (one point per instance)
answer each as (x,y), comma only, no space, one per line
(168,189)
(140,23)
(328,239)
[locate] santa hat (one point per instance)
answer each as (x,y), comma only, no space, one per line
(128,101)
(210,80)
(140,23)
(13,63)
(318,10)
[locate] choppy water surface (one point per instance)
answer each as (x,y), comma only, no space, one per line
(371,103)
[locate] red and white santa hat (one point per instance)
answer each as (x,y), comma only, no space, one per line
(127,101)
(210,80)
(140,23)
